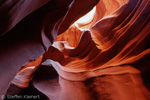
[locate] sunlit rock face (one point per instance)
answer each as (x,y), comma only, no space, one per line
(27,32)
(60,54)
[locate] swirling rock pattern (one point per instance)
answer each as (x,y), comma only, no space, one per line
(109,61)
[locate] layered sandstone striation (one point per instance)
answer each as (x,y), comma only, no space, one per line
(105,57)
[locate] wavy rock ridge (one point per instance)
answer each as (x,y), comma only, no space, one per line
(106,58)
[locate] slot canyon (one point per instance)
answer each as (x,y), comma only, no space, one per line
(75,49)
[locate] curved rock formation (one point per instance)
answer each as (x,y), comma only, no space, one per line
(33,35)
(106,58)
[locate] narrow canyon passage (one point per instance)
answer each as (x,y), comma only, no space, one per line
(75,49)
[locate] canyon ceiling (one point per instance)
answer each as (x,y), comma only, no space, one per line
(75,49)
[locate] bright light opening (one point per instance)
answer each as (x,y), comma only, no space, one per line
(86,18)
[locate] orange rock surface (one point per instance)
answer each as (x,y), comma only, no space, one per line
(47,50)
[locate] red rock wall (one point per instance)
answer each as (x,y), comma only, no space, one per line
(109,61)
